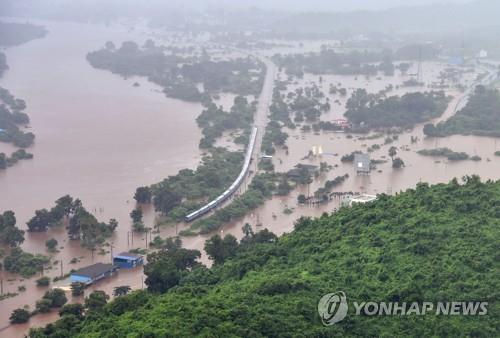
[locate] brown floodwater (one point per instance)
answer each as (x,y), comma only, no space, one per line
(98,138)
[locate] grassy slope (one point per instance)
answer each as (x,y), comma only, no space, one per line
(439,243)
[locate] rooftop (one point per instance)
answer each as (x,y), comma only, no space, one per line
(128,255)
(364,198)
(94,270)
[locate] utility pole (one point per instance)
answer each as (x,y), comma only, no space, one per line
(1,286)
(62,273)
(111,251)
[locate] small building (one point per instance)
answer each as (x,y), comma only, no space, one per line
(128,260)
(362,164)
(300,169)
(93,273)
(362,199)
(342,123)
(482,54)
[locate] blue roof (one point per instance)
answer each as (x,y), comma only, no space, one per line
(128,255)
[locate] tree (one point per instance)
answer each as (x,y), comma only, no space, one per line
(393,151)
(57,297)
(165,268)
(13,237)
(113,224)
(110,45)
(96,300)
(72,309)
(43,305)
(24,263)
(301,199)
(19,316)
(51,244)
(40,222)
(247,230)
(143,195)
(77,289)
(430,130)
(3,161)
(398,163)
(9,234)
(284,187)
(63,208)
(43,281)
(165,200)
(121,290)
(219,249)
(136,215)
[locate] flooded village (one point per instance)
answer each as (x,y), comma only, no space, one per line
(101,135)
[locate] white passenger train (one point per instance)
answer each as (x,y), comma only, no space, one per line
(232,189)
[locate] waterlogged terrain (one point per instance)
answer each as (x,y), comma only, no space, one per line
(99,137)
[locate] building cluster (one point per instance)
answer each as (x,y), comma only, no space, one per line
(93,273)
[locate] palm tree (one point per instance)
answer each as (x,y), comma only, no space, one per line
(121,290)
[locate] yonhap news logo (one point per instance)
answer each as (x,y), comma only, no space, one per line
(333,307)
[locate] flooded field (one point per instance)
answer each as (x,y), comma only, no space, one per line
(98,138)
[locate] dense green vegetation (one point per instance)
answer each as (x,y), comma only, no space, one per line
(3,64)
(11,118)
(350,157)
(24,263)
(432,243)
(54,298)
(370,111)
(214,121)
(13,34)
(324,192)
(17,155)
(480,116)
(176,196)
(178,75)
(329,61)
(444,152)
(354,62)
(81,224)
(263,186)
(303,105)
(10,234)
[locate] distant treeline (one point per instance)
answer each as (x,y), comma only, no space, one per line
(3,64)
(14,34)
(354,62)
(371,111)
(181,77)
(12,116)
(480,116)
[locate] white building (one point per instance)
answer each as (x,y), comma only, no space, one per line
(362,199)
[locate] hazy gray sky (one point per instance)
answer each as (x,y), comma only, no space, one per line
(294,5)
(319,5)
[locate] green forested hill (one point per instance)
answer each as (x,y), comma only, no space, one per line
(432,243)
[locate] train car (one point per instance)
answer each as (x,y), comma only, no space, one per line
(233,187)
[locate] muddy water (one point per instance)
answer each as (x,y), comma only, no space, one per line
(384,179)
(98,138)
